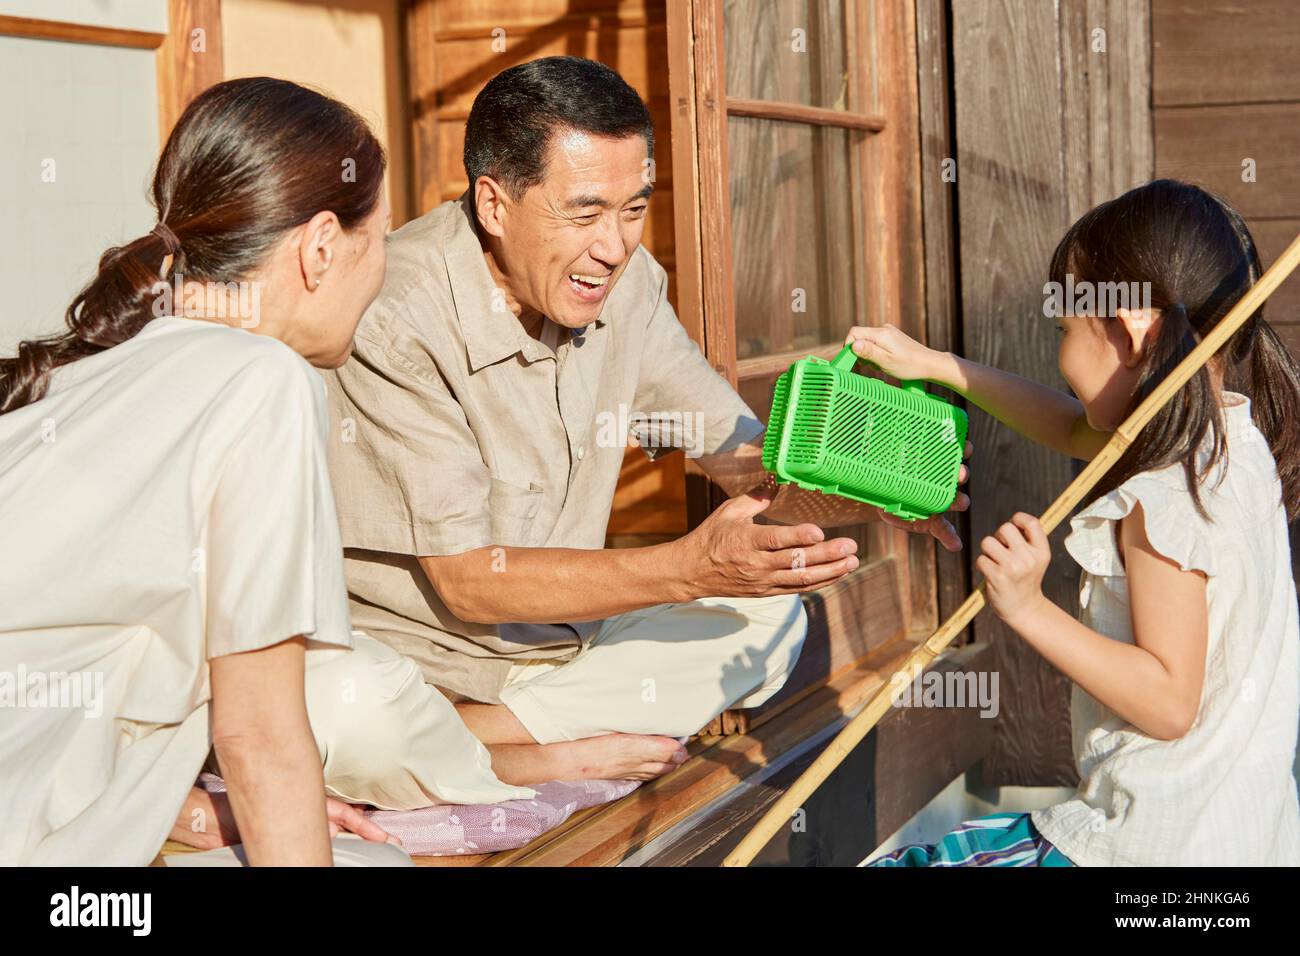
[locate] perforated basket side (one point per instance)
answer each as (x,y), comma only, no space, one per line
(776,421)
(856,436)
(812,390)
(887,444)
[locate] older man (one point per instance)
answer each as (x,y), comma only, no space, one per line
(521,334)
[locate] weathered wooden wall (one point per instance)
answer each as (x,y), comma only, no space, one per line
(1050,118)
(1226,91)
(951,573)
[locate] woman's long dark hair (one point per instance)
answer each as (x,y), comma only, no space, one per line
(1199,258)
(249,160)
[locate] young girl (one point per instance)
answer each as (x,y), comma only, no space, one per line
(1186,663)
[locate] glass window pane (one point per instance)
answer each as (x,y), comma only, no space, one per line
(791,51)
(794,266)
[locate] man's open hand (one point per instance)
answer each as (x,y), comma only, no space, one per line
(731,556)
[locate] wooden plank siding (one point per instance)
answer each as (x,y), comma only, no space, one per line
(1224,52)
(951,571)
(1226,89)
(1046,127)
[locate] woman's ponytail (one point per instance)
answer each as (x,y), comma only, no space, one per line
(113,307)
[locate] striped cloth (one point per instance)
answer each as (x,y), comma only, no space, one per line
(999,839)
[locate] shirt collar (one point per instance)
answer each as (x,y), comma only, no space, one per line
(490,334)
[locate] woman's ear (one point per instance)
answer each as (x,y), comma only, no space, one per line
(318,248)
(1140,327)
(490,201)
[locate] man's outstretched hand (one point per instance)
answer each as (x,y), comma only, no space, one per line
(729,555)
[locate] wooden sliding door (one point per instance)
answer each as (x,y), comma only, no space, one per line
(797,210)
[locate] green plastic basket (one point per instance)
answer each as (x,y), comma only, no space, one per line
(834,431)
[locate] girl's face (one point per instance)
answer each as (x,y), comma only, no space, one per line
(1101,357)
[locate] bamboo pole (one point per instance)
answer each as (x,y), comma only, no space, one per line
(920,659)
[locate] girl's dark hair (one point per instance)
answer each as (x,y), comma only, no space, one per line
(1199,258)
(249,160)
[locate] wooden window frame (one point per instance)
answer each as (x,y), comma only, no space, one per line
(892,597)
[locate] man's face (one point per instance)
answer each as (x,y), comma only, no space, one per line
(565,242)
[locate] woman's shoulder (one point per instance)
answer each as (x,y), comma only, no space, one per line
(244,393)
(220,359)
(175,364)
(180,375)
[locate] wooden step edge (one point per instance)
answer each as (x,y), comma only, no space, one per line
(704,837)
(616,830)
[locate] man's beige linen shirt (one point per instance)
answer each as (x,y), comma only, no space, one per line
(454,430)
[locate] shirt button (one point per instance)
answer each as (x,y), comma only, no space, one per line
(581,451)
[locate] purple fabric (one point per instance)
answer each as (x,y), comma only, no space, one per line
(487,828)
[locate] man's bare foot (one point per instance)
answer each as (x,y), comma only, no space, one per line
(607,757)
(493,723)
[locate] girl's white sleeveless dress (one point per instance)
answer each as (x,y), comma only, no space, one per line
(1224,793)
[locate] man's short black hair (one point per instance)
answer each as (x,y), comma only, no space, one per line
(514,116)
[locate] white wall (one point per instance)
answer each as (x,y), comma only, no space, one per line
(350,49)
(148,15)
(80,126)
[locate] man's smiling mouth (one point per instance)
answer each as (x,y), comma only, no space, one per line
(589,282)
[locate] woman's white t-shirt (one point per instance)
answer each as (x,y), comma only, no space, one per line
(167,502)
(1224,793)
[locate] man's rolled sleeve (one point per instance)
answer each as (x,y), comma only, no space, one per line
(676,379)
(408,475)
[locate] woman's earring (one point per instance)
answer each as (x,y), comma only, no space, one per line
(318,282)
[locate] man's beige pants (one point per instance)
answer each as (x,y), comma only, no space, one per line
(389,739)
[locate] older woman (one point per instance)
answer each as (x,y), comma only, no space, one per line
(170,546)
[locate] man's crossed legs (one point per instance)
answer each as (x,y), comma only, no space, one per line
(612,712)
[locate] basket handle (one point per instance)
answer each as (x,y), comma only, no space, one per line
(848,358)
